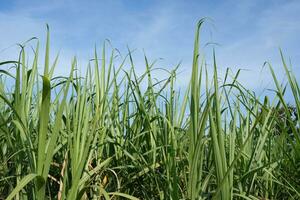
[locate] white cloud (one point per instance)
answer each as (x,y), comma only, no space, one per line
(249,32)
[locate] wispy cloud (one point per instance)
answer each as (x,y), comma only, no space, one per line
(249,32)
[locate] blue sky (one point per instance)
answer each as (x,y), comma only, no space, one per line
(247,32)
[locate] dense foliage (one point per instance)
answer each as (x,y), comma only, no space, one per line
(105,136)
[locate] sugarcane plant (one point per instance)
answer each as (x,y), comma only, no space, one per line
(113,133)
